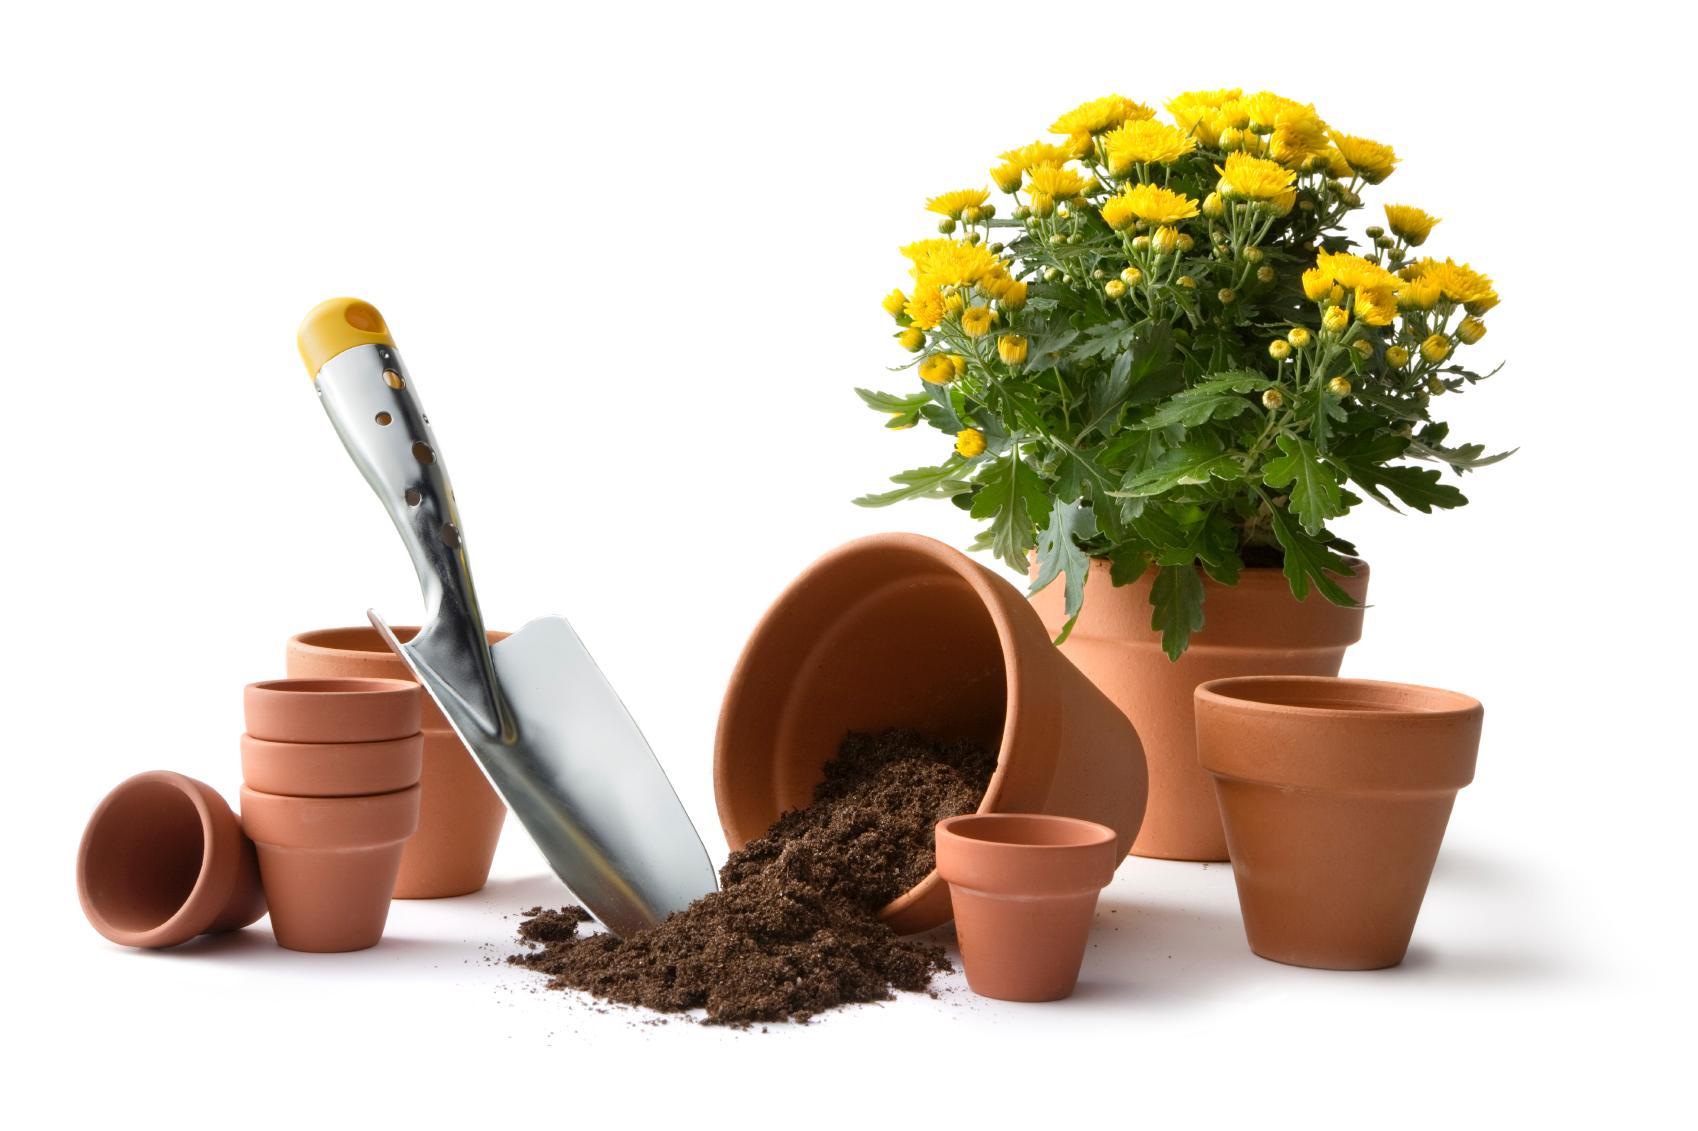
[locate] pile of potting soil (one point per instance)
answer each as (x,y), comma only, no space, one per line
(794,929)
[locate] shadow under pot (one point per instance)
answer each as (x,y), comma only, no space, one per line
(1335,794)
(460,814)
(163,859)
(898,630)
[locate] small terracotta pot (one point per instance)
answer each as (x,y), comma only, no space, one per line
(1335,795)
(329,863)
(1024,887)
(332,769)
(162,860)
(460,814)
(1253,628)
(896,630)
(331,710)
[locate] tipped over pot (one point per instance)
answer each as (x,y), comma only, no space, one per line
(898,630)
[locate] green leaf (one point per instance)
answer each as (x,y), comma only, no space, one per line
(1176,597)
(1192,408)
(1059,553)
(940,411)
(1313,487)
(1465,457)
(1011,494)
(891,402)
(1197,460)
(922,482)
(1417,487)
(1308,561)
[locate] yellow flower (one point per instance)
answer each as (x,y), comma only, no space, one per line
(1409,222)
(1013,296)
(951,263)
(1335,319)
(1397,357)
(1471,330)
(1419,294)
(1317,284)
(1339,386)
(1482,304)
(1376,304)
(1299,337)
(1039,154)
(1057,183)
(1114,288)
(894,302)
(960,364)
(1352,271)
(1369,160)
(1008,176)
(1164,241)
(1253,178)
(1131,276)
(976,321)
(1458,282)
(1279,349)
(1200,113)
(953,302)
(1273,398)
(969,442)
(1099,115)
(1436,348)
(952,204)
(1011,348)
(1158,205)
(927,308)
(1142,142)
(1296,134)
(937,369)
(913,339)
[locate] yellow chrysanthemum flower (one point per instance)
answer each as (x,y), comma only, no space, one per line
(1370,160)
(1164,241)
(894,302)
(1410,222)
(926,309)
(1057,183)
(937,369)
(1009,176)
(1013,296)
(913,339)
(1376,305)
(1117,212)
(1144,142)
(1158,205)
(1012,349)
(952,204)
(1199,113)
(1039,154)
(1352,271)
(976,321)
(1397,357)
(1436,348)
(969,442)
(1254,178)
(1419,294)
(1471,330)
(1458,282)
(1100,114)
(951,263)
(1317,284)
(1335,319)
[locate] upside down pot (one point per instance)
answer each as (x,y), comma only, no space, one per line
(898,630)
(1255,627)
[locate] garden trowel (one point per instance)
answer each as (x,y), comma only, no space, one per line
(543,722)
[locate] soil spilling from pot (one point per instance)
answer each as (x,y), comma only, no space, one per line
(794,929)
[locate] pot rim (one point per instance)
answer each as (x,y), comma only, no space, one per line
(198,904)
(1378,697)
(1094,835)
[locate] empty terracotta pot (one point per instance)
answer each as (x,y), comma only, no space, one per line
(331,710)
(332,769)
(1253,628)
(460,814)
(162,860)
(1024,888)
(329,863)
(1335,794)
(897,630)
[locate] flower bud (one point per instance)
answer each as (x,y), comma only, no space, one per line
(996,248)
(1186,243)
(1339,386)
(1279,349)
(1436,348)
(1299,337)
(913,339)
(1317,284)
(1012,349)
(1131,276)
(1471,330)
(1062,211)
(1374,231)
(1397,357)
(1385,243)
(969,442)
(1042,204)
(970,215)
(960,363)
(1114,288)
(1140,243)
(975,237)
(1076,237)
(1252,254)
(938,369)
(946,225)
(1164,240)
(895,303)
(1057,239)
(1213,206)
(1272,398)
(986,211)
(1013,295)
(1022,213)
(1363,347)
(1187,282)
(953,302)
(1335,319)
(1266,274)
(1227,296)
(1434,385)
(1051,274)
(1231,138)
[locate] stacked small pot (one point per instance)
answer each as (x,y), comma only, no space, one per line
(330,796)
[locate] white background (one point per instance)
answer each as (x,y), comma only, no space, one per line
(634,256)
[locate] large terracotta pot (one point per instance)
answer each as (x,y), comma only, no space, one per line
(1253,628)
(460,814)
(897,630)
(1335,794)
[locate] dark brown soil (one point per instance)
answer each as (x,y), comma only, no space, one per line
(795,928)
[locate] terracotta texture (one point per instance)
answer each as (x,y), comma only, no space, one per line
(1024,888)
(331,710)
(1335,794)
(896,630)
(329,863)
(332,769)
(460,814)
(1253,628)
(162,860)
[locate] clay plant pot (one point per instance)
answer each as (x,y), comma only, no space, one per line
(896,630)
(1253,628)
(329,863)
(460,814)
(332,769)
(1335,794)
(331,710)
(162,860)
(1024,887)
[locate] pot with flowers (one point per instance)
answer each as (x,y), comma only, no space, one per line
(1167,369)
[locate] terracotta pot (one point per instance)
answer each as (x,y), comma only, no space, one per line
(1335,794)
(331,710)
(162,860)
(1253,628)
(332,769)
(329,863)
(897,630)
(460,815)
(1024,888)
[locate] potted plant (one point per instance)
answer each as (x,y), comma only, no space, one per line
(1167,368)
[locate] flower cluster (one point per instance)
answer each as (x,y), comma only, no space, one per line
(1166,351)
